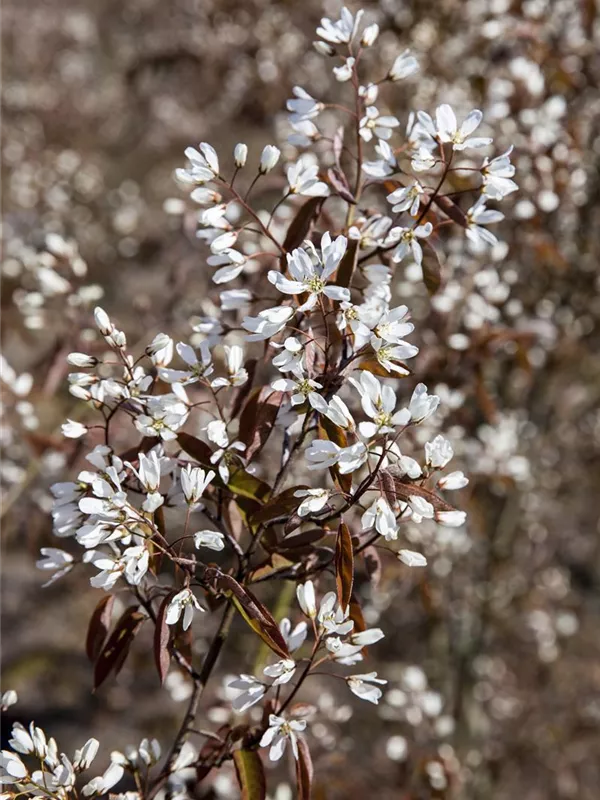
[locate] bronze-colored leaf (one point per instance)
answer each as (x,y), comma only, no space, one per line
(356,615)
(405,490)
(451,209)
(258,420)
(347,265)
(280,506)
(337,179)
(431,267)
(99,626)
(246,485)
(162,657)
(113,654)
(304,770)
(250,774)
(195,448)
(258,616)
(300,226)
(344,565)
(372,565)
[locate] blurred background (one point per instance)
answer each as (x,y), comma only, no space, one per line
(492,653)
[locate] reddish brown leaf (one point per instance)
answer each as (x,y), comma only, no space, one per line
(99,626)
(258,419)
(449,207)
(344,565)
(304,770)
(432,270)
(357,616)
(347,265)
(195,448)
(282,505)
(113,654)
(404,491)
(258,616)
(338,180)
(301,224)
(372,565)
(162,657)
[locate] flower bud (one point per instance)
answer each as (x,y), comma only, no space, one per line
(81,360)
(103,322)
(306,598)
(269,158)
(73,430)
(240,154)
(370,33)
(324,49)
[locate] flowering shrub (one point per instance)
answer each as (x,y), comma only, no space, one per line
(279,446)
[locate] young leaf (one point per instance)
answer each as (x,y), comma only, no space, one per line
(344,565)
(338,180)
(347,264)
(432,270)
(113,654)
(301,225)
(99,626)
(250,774)
(282,505)
(258,419)
(257,616)
(246,485)
(195,448)
(162,657)
(304,770)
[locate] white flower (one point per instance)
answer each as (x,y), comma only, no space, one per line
(344,73)
(198,368)
(438,452)
(269,158)
(404,66)
(342,31)
(374,124)
(380,516)
(203,166)
(378,402)
(497,175)
(408,240)
(267,323)
(322,454)
(422,405)
(338,412)
(164,418)
(277,734)
(363,686)
(448,130)
(352,458)
(160,350)
(370,34)
(332,618)
(282,671)
(103,322)
(290,358)
(421,508)
(12,768)
(9,698)
(452,481)
(451,519)
(303,179)
(422,160)
(252,692)
(183,603)
(194,481)
(240,154)
(385,165)
(236,374)
(295,638)
(131,565)
(223,242)
(302,106)
(365,638)
(32,742)
(412,559)
(101,785)
(316,499)
(211,539)
(407,198)
(73,430)
(84,757)
(310,272)
(55,559)
(477,216)
(305,592)
(388,355)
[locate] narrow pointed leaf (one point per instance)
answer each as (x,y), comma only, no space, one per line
(344,565)
(99,626)
(250,774)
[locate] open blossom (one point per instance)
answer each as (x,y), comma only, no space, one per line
(478,216)
(194,481)
(293,637)
(332,618)
(236,374)
(373,124)
(391,356)
(278,733)
(438,452)
(213,540)
(302,106)
(267,323)
(497,176)
(380,516)
(378,402)
(101,786)
(303,179)
(365,686)
(407,198)
(184,603)
(343,30)
(385,165)
(197,367)
(303,389)
(203,165)
(282,671)
(323,453)
(310,272)
(57,560)
(460,137)
(251,692)
(228,452)
(344,73)
(315,500)
(422,405)
(73,430)
(408,241)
